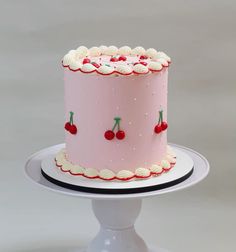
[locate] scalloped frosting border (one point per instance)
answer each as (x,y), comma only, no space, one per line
(157,60)
(165,165)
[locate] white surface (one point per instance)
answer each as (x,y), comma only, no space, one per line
(116,215)
(33,171)
(182,167)
(199,36)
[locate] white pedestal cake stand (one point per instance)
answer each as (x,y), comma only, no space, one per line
(116,213)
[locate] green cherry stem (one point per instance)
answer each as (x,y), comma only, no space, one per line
(71,117)
(159,120)
(161,115)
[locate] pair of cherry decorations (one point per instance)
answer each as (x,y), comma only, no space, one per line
(162,125)
(70,126)
(110,134)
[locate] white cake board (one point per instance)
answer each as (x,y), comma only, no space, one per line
(182,170)
(115,212)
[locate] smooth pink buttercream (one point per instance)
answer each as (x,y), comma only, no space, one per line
(96,100)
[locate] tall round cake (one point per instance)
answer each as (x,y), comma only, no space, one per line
(116,113)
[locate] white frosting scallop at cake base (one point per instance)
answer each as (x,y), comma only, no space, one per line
(106,174)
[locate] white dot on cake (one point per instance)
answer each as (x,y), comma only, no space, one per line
(134,148)
(135,99)
(122,159)
(117,108)
(111,161)
(140,135)
(130,123)
(146,114)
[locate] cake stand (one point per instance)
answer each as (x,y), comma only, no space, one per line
(116,213)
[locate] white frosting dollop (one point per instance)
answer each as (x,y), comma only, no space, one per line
(155,66)
(151,52)
(170,158)
(124,50)
(67,166)
(76,169)
(156,169)
(90,172)
(72,52)
(105,69)
(165,164)
(140,68)
(60,157)
(124,69)
(82,51)
(111,51)
(163,61)
(170,151)
(138,51)
(124,174)
(87,68)
(163,55)
(60,162)
(106,174)
(68,59)
(75,65)
(103,49)
(94,51)
(142,172)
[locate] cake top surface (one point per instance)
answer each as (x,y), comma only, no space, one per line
(110,60)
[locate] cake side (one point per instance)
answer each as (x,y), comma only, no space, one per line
(96,101)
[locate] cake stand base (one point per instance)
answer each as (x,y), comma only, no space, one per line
(116,213)
(149,250)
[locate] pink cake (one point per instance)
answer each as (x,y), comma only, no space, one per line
(116,113)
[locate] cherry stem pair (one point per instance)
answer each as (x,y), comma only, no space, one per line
(117,123)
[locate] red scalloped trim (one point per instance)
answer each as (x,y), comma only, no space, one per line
(115,72)
(116,178)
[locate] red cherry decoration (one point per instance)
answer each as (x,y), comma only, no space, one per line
(164,125)
(95,64)
(122,58)
(109,135)
(67,126)
(73,129)
(86,60)
(114,59)
(158,129)
(120,134)
(142,57)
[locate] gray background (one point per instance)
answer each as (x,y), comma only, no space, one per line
(198,35)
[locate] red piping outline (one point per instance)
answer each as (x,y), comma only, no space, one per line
(115,72)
